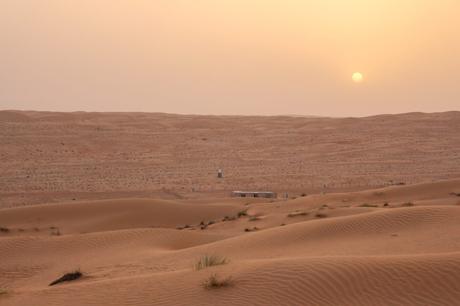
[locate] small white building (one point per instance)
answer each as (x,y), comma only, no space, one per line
(254,194)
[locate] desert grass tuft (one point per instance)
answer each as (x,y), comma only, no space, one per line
(297,214)
(214,282)
(68,277)
(209,261)
(242,213)
(368,205)
(56,232)
(408,204)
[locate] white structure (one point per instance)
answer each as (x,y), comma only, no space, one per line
(254,194)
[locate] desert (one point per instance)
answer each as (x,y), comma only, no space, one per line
(132,202)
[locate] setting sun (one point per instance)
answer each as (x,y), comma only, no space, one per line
(357,77)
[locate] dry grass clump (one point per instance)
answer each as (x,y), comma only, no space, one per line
(254,218)
(67,277)
(368,205)
(209,261)
(214,282)
(255,228)
(183,227)
(242,213)
(55,231)
(3,291)
(297,214)
(320,215)
(408,204)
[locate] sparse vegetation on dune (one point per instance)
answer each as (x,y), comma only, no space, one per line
(55,231)
(207,261)
(368,205)
(407,204)
(214,282)
(3,291)
(255,228)
(67,277)
(4,229)
(242,213)
(320,215)
(297,214)
(254,218)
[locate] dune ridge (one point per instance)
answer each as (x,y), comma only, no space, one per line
(355,255)
(48,157)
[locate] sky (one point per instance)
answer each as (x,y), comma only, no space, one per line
(231,57)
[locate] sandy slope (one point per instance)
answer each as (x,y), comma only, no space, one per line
(56,157)
(356,248)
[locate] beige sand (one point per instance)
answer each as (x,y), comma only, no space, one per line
(57,157)
(362,252)
(394,245)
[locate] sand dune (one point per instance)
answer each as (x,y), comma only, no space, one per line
(326,249)
(50,157)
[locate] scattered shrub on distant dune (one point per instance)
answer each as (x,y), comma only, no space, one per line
(303,195)
(407,204)
(297,214)
(203,225)
(214,282)
(3,291)
(227,218)
(183,227)
(68,277)
(209,261)
(320,215)
(254,218)
(386,204)
(457,194)
(368,205)
(255,228)
(4,229)
(243,213)
(56,232)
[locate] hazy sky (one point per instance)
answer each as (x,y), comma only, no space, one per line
(230,56)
